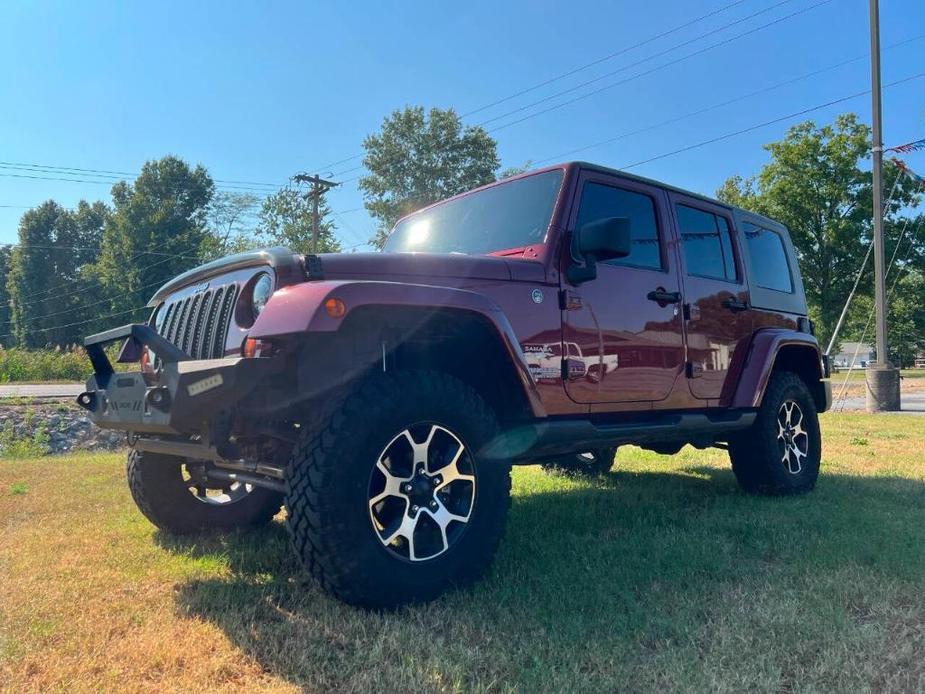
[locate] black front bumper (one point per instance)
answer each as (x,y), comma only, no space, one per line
(187,395)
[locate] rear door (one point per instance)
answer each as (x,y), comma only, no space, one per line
(622,331)
(717,309)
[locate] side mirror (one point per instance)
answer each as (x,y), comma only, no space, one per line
(604,239)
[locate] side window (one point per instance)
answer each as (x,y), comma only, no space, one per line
(707,243)
(769,259)
(599,201)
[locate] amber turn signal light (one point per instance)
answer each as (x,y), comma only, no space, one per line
(148,372)
(253,348)
(335,308)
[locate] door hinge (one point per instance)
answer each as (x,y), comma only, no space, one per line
(694,369)
(569,300)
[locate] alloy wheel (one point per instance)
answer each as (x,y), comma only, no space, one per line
(421,492)
(792,438)
(210,491)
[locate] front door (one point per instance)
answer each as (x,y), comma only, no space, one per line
(622,332)
(717,316)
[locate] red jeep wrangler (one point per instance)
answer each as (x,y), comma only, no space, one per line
(547,318)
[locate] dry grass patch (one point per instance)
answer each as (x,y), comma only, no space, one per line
(661,575)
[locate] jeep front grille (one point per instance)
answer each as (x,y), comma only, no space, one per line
(198,324)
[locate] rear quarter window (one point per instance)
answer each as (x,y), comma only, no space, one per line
(770,269)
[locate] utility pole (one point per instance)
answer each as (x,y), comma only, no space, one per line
(882,379)
(319,187)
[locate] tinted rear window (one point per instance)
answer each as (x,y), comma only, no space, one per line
(707,244)
(769,265)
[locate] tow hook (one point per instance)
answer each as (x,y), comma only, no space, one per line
(87,400)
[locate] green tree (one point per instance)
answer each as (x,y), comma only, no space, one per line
(905,319)
(156,231)
(30,283)
(48,291)
(816,185)
(232,224)
(5,261)
(515,170)
(418,158)
(286,220)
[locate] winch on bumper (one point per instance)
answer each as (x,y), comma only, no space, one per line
(185,396)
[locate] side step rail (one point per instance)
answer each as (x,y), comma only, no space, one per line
(545,439)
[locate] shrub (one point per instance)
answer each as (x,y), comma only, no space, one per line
(52,364)
(13,446)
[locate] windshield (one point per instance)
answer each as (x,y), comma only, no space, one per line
(509,215)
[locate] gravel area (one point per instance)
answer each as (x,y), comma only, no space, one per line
(54,427)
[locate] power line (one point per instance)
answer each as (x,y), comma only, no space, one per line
(237,185)
(71,282)
(561,76)
(110,172)
(670,63)
(110,181)
(91,248)
(770,122)
(842,393)
(722,104)
(640,61)
(83,322)
(625,67)
(603,59)
(84,306)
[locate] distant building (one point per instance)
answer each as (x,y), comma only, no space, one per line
(857,353)
(920,361)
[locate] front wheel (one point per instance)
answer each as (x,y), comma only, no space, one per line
(177,496)
(781,452)
(392,500)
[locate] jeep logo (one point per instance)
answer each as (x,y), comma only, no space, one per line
(201,287)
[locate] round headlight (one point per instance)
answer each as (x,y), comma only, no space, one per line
(263,290)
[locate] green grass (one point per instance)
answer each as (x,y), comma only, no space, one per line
(18,447)
(659,576)
(857,374)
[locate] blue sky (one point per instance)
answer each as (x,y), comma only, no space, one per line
(257,91)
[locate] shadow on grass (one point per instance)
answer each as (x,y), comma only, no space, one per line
(624,565)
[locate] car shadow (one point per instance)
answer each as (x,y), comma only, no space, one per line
(633,554)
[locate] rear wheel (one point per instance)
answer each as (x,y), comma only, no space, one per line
(175,495)
(781,452)
(588,464)
(392,500)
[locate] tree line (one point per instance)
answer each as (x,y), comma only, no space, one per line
(78,270)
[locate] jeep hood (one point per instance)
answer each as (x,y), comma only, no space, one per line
(418,267)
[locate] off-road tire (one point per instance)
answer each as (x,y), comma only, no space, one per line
(157,486)
(328,506)
(757,454)
(582,464)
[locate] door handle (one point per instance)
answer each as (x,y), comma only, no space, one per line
(663,297)
(736,305)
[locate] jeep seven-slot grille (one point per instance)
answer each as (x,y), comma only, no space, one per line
(198,324)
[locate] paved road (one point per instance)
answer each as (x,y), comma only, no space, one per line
(912,403)
(44,390)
